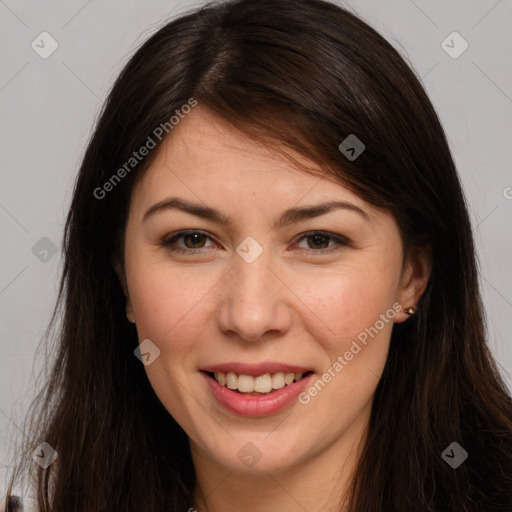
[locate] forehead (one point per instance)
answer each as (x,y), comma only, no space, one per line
(204,155)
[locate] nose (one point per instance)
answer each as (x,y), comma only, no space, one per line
(255,300)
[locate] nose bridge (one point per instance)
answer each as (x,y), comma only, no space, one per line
(254,301)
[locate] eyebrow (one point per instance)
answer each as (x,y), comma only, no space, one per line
(290,216)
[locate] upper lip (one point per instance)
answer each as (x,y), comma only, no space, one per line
(255,369)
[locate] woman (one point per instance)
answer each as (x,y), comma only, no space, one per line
(270,295)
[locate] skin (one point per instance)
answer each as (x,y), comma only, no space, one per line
(294,303)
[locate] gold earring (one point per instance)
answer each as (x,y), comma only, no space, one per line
(410,310)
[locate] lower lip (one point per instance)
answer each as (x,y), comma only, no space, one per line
(253,405)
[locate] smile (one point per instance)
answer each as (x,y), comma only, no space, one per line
(255,390)
(256,385)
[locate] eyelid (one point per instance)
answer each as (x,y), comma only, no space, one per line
(341,241)
(168,240)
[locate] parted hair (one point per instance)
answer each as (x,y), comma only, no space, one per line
(298,77)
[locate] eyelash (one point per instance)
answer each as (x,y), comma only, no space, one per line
(169,243)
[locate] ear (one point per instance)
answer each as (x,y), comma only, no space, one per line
(119,270)
(414,280)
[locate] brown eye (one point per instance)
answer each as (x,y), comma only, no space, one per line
(196,240)
(318,242)
(192,241)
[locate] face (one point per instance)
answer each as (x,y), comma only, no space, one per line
(262,294)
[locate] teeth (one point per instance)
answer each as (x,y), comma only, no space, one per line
(231,380)
(221,378)
(278,381)
(288,378)
(245,383)
(260,384)
(263,383)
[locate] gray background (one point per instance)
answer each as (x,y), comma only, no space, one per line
(48,107)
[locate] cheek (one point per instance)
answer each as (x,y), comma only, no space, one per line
(348,303)
(335,306)
(352,324)
(169,303)
(171,310)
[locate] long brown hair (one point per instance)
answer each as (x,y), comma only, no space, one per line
(298,76)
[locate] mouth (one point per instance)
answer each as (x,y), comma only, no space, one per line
(257,385)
